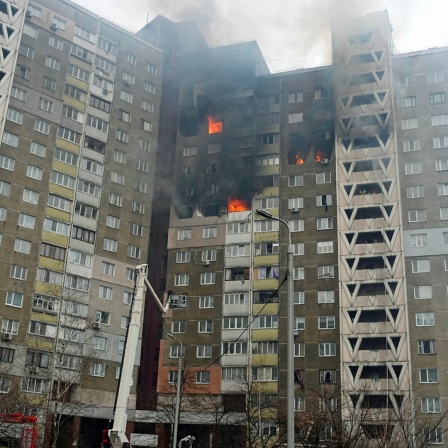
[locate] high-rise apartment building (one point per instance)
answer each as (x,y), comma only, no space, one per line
(107,136)
(351,156)
(79,121)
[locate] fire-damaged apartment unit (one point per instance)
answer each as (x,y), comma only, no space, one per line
(154,147)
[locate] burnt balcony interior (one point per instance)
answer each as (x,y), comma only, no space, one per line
(265,296)
(380,401)
(369,238)
(376,372)
(312,148)
(235,274)
(367,263)
(373,316)
(367,189)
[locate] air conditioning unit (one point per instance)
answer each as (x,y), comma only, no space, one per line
(296,331)
(324,161)
(295,210)
(206,263)
(7,336)
(28,15)
(34,369)
(105,91)
(53,27)
(97,325)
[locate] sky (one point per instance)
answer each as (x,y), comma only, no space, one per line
(291,33)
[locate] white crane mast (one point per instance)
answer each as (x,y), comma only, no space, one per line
(117,435)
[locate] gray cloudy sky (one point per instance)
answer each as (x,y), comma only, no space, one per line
(291,33)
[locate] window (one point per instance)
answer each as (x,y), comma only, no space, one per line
(77,283)
(327,349)
(423,292)
(205,326)
(18,272)
(327,322)
(27,221)
(437,98)
(268,160)
(146,125)
(28,195)
(419,240)
(122,136)
(151,69)
(34,172)
(97,123)
(442,165)
(324,223)
(407,102)
(128,79)
(33,11)
(293,203)
(429,376)
(62,179)
(417,215)
(235,322)
(74,92)
(325,247)
(413,168)
(14,115)
(177,351)
(266,226)
(112,222)
(107,268)
(327,376)
(299,349)
(295,181)
(439,120)
(295,97)
(208,278)
(181,279)
(79,233)
(14,299)
(325,272)
(409,123)
(97,369)
(26,51)
(298,248)
(92,166)
(443,213)
(52,63)
(140,186)
(298,273)
(237,298)
(55,226)
(10,326)
(416,191)
(49,84)
(110,245)
(209,232)
(128,295)
(427,347)
(35,385)
(10,139)
(214,148)
(204,351)
(442,189)
(179,326)
(234,348)
(7,163)
(133,252)
(105,64)
(67,157)
(100,104)
(5,188)
(424,319)
(266,321)
(206,302)
(56,43)
(265,374)
(30,31)
(86,211)
(138,207)
(434,77)
(6,355)
(42,329)
(430,405)
(125,96)
(18,94)
(440,142)
(69,135)
(296,117)
(79,258)
(149,87)
(117,178)
(325,296)
(433,435)
(203,377)
(105,292)
(299,323)
(183,234)
(107,45)
(420,266)
(23,72)
(297,225)
(299,298)
(22,246)
(321,93)
(147,106)
(115,199)
(38,149)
